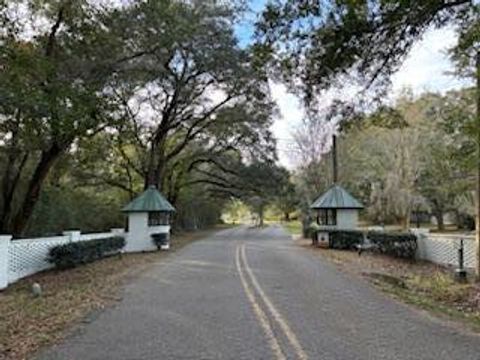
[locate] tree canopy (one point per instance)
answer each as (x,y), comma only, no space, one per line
(318,45)
(124,97)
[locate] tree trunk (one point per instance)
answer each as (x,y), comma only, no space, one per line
(439,216)
(334,159)
(405,220)
(438,213)
(32,194)
(458,220)
(152,175)
(417,217)
(260,216)
(8,198)
(156,165)
(287,216)
(8,186)
(160,172)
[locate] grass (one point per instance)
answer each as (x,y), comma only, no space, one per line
(293,227)
(439,295)
(422,284)
(28,323)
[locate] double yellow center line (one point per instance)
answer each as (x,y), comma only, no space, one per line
(256,297)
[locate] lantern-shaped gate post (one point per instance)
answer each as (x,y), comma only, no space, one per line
(336,209)
(148,222)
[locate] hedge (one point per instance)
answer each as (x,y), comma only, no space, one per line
(344,239)
(401,245)
(73,254)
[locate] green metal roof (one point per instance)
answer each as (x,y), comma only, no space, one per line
(150,200)
(336,198)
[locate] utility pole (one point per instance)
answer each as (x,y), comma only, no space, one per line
(334,159)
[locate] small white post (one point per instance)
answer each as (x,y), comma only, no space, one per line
(4,245)
(74,235)
(422,236)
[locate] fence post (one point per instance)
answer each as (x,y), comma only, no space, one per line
(422,236)
(4,245)
(74,235)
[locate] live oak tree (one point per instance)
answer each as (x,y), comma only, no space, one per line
(56,67)
(189,87)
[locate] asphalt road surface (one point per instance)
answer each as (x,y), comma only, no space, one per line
(251,294)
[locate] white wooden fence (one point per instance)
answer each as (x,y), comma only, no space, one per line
(24,257)
(443,248)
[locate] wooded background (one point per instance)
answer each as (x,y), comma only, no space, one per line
(98,101)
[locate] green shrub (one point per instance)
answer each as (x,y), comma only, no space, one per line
(344,239)
(402,245)
(160,239)
(82,252)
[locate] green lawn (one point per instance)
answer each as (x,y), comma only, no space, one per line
(293,227)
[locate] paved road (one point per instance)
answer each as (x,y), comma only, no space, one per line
(251,294)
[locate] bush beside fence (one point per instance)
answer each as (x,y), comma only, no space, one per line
(441,249)
(345,239)
(76,253)
(402,245)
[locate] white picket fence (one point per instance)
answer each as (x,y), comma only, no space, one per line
(24,257)
(443,248)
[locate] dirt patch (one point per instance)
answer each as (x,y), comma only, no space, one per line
(425,285)
(28,323)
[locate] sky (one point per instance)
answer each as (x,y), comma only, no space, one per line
(425,69)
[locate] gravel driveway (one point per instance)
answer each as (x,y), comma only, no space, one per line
(251,294)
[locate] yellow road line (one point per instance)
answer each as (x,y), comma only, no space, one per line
(292,338)
(259,313)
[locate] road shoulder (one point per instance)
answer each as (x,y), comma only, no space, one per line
(425,287)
